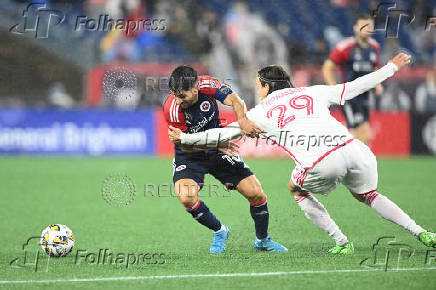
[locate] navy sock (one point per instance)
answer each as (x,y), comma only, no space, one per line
(202,214)
(260,215)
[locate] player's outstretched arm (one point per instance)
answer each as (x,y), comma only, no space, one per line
(362,84)
(248,127)
(219,138)
(328,72)
(209,138)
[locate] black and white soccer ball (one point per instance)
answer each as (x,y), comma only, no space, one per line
(57,240)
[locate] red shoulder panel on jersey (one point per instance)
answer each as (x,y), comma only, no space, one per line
(208,85)
(374,44)
(173,114)
(341,53)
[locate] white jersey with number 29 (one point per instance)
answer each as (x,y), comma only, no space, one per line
(299,120)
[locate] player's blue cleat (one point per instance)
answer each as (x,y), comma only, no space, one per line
(267,244)
(219,243)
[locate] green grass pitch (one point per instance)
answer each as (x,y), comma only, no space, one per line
(38,191)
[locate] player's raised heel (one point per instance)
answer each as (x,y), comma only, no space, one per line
(267,244)
(347,249)
(428,239)
(219,243)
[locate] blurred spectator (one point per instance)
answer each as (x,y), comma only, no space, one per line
(425,41)
(58,96)
(253,44)
(120,8)
(119,45)
(332,35)
(207,29)
(182,29)
(320,52)
(391,47)
(426,94)
(394,98)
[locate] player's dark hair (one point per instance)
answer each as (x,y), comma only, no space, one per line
(363,16)
(183,78)
(276,77)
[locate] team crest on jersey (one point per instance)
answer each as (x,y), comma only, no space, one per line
(180,167)
(225,90)
(205,106)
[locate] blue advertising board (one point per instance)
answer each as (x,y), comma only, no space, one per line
(87,132)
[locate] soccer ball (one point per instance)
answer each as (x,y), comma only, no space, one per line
(57,240)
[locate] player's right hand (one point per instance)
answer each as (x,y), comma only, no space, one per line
(249,128)
(401,60)
(174,134)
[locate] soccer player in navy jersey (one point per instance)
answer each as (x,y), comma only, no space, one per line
(192,107)
(356,56)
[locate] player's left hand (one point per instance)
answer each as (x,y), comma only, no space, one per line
(174,134)
(249,128)
(229,148)
(379,90)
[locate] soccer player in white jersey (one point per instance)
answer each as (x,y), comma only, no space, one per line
(325,153)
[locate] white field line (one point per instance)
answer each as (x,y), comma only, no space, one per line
(126,278)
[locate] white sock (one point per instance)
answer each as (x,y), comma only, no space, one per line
(317,213)
(223,227)
(390,211)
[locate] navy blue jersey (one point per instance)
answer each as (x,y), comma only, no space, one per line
(201,116)
(355,60)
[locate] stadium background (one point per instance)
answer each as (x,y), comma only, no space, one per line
(53,89)
(82,105)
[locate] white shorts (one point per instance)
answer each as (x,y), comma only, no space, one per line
(353,165)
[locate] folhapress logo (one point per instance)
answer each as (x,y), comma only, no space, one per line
(38,19)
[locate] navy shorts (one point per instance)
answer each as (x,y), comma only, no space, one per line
(228,170)
(357,110)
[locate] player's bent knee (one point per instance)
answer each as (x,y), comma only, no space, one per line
(187,191)
(358,197)
(251,188)
(296,190)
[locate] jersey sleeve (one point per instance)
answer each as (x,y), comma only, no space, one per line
(173,114)
(254,113)
(213,88)
(338,94)
(338,55)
